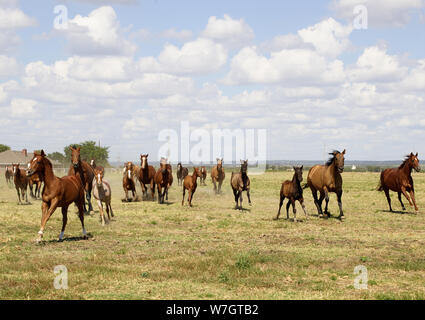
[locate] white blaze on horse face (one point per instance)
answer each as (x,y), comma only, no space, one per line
(144,162)
(98,178)
(129,174)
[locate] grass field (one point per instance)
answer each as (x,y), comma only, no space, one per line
(211,251)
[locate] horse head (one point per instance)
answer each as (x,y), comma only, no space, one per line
(163,164)
(75,156)
(219,163)
(299,173)
(129,169)
(244,166)
(36,164)
(338,159)
(196,172)
(15,169)
(144,161)
(414,162)
(98,174)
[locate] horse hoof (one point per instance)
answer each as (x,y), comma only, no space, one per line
(342,218)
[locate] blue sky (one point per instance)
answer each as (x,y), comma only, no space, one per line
(125,70)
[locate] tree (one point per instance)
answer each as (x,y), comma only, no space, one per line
(58,157)
(89,150)
(4,147)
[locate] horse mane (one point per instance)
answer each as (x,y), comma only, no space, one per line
(331,159)
(47,161)
(406,158)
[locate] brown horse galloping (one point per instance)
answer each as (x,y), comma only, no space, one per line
(57,192)
(162,177)
(170,178)
(327,178)
(34,180)
(203,176)
(293,191)
(218,175)
(86,173)
(400,180)
(146,176)
(21,182)
(128,182)
(190,184)
(240,182)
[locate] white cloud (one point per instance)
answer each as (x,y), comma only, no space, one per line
(99,33)
(22,107)
(289,66)
(380,12)
(8,66)
(232,33)
(13,18)
(183,35)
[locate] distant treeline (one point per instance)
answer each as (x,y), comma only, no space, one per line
(89,150)
(369,168)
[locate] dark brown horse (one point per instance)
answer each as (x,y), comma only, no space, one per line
(8,174)
(146,176)
(400,180)
(95,166)
(86,173)
(327,178)
(203,176)
(170,178)
(57,192)
(162,180)
(34,180)
(190,184)
(218,175)
(292,190)
(240,182)
(21,182)
(182,172)
(128,182)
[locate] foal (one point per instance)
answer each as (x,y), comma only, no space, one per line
(21,182)
(293,191)
(190,184)
(240,182)
(102,193)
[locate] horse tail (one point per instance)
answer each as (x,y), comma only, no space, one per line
(380,186)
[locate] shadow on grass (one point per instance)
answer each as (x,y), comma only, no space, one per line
(70,239)
(399,212)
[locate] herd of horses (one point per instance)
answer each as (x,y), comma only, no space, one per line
(85,179)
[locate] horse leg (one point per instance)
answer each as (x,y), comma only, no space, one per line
(403,190)
(153,190)
(189,198)
(287,209)
(316,201)
(327,201)
(412,195)
(102,215)
(219,186)
(19,195)
(240,199)
(339,197)
(126,194)
(303,206)
(215,186)
(249,197)
(294,209)
(387,194)
(401,202)
(64,221)
(282,197)
(81,216)
(88,197)
(110,208)
(235,193)
(47,212)
(184,192)
(322,196)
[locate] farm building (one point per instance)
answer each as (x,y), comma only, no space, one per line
(22,157)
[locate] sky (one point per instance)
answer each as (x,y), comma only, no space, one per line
(122,72)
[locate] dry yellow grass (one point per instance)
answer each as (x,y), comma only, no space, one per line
(211,251)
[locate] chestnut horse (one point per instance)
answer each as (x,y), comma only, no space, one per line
(57,192)
(203,176)
(327,178)
(82,168)
(146,176)
(162,177)
(400,180)
(102,193)
(170,178)
(128,182)
(240,182)
(293,191)
(218,175)
(21,182)
(190,184)
(182,172)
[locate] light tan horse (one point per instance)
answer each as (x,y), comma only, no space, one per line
(327,178)
(218,175)
(102,193)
